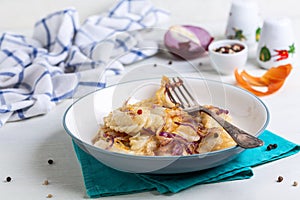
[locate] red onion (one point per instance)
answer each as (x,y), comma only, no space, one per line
(188,150)
(177,149)
(112,142)
(186,124)
(187,41)
(172,135)
(167,134)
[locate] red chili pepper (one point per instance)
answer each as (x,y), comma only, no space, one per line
(283,54)
(139,111)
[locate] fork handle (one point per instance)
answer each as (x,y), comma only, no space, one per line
(241,137)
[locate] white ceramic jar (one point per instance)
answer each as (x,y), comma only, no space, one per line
(243,21)
(277,43)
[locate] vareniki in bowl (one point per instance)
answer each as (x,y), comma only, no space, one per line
(83,119)
(226,55)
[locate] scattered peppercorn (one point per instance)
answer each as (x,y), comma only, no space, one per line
(50,162)
(295,183)
(271,146)
(139,111)
(155,65)
(49,196)
(279,179)
(8,179)
(200,64)
(170,62)
(46,182)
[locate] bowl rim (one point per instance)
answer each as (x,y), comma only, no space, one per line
(218,43)
(229,149)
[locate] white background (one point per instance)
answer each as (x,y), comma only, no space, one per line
(26,146)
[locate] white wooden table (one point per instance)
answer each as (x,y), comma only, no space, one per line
(26,146)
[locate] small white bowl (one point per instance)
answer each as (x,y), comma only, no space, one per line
(226,63)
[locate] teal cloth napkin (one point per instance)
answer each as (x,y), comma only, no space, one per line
(101,180)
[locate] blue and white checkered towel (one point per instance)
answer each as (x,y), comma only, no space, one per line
(39,71)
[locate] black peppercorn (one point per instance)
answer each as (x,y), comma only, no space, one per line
(269,147)
(8,179)
(279,179)
(170,62)
(50,161)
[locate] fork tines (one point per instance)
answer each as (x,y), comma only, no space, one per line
(179,94)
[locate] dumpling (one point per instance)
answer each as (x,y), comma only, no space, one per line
(133,119)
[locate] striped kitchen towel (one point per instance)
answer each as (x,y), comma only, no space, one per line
(39,71)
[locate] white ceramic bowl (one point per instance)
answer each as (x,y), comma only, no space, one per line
(226,63)
(82,119)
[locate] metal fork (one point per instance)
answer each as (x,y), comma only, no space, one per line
(181,96)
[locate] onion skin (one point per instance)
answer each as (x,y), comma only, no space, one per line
(195,44)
